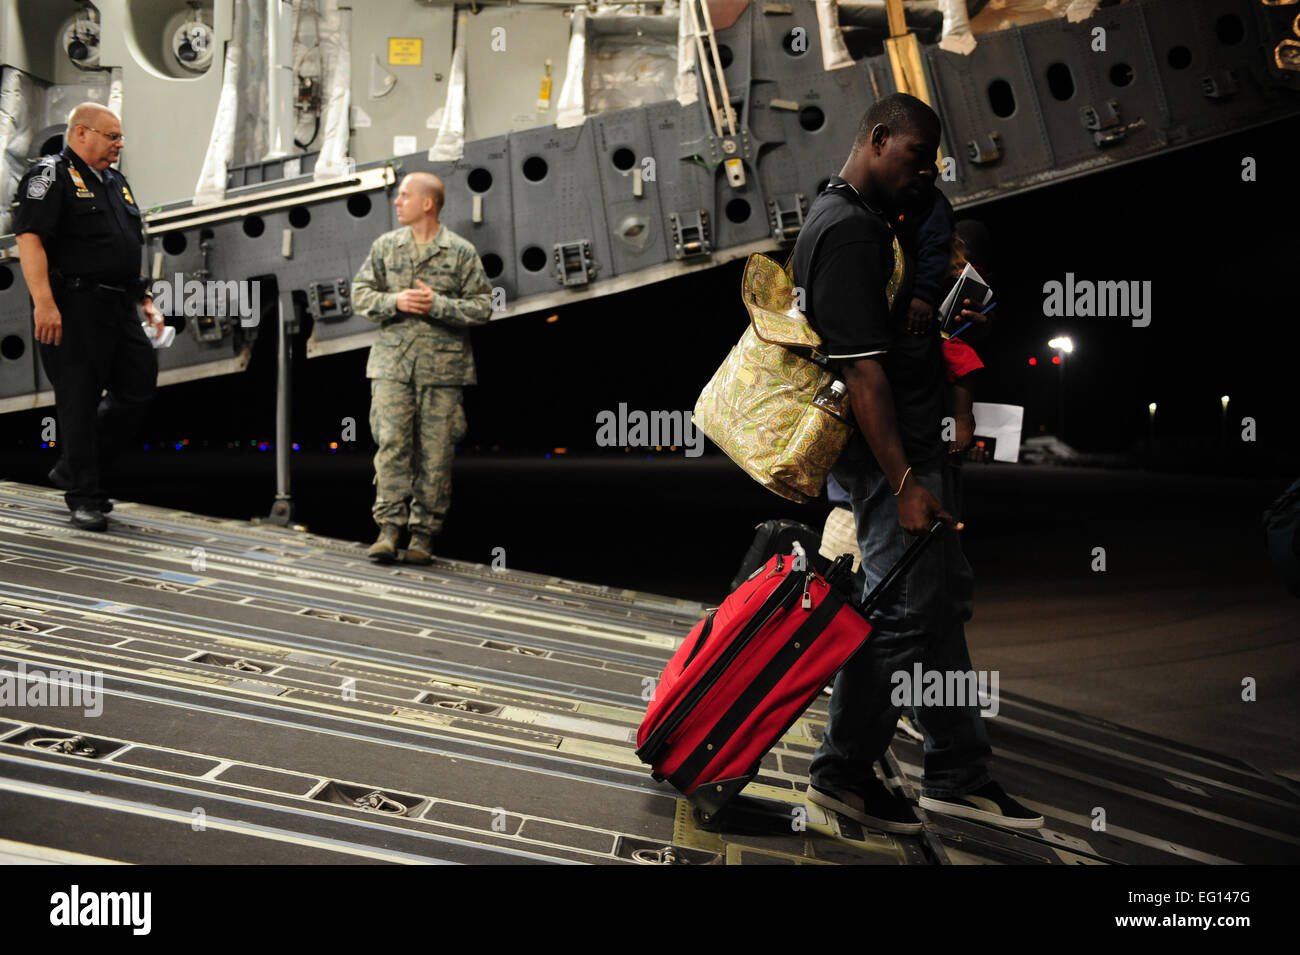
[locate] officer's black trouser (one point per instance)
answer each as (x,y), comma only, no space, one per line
(103,349)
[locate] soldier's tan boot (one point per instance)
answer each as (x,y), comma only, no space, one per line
(420,549)
(384,550)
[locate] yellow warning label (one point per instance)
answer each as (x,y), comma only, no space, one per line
(405,50)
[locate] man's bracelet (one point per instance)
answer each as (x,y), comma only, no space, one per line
(902,482)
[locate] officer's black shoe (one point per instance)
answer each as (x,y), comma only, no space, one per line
(89,519)
(60,479)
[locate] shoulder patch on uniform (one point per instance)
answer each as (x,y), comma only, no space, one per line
(38,186)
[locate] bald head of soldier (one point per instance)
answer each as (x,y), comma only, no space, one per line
(419,197)
(95,134)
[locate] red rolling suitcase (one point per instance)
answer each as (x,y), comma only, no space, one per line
(749,669)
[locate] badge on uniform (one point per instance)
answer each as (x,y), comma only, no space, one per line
(38,186)
(82,191)
(126,194)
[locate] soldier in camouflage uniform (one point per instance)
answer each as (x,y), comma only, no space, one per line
(425,286)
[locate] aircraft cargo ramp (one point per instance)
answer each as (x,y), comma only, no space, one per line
(270,696)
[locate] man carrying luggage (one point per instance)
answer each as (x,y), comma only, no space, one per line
(847,260)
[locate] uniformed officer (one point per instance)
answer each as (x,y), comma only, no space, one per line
(426,287)
(80,236)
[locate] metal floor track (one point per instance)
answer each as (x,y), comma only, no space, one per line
(272,696)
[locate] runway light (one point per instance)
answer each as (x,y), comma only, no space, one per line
(1056,359)
(552,319)
(1151,408)
(1224,401)
(334,445)
(561,450)
(295,445)
(1061,344)
(178,445)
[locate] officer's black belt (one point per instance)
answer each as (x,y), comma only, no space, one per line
(78,283)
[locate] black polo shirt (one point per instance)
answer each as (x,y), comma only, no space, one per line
(843,260)
(89,228)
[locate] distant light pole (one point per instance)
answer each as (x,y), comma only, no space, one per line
(1223,430)
(1151,429)
(1063,346)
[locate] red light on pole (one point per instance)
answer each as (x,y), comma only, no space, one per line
(1033,361)
(1056,359)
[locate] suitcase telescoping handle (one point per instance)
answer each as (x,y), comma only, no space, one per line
(898,570)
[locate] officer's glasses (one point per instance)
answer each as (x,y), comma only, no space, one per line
(113,137)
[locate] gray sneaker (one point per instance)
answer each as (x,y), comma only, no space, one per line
(875,807)
(990,804)
(384,550)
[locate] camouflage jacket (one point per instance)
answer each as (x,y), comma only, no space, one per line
(428,349)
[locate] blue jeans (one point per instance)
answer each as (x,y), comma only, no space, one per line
(920,619)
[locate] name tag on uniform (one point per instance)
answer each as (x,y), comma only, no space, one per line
(82,191)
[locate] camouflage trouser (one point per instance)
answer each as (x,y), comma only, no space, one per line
(417,429)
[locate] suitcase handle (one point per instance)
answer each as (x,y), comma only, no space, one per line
(909,558)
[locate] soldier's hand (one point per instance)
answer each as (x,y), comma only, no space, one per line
(417,301)
(433,296)
(49,324)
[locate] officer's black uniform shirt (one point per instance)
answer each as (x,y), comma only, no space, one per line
(89,228)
